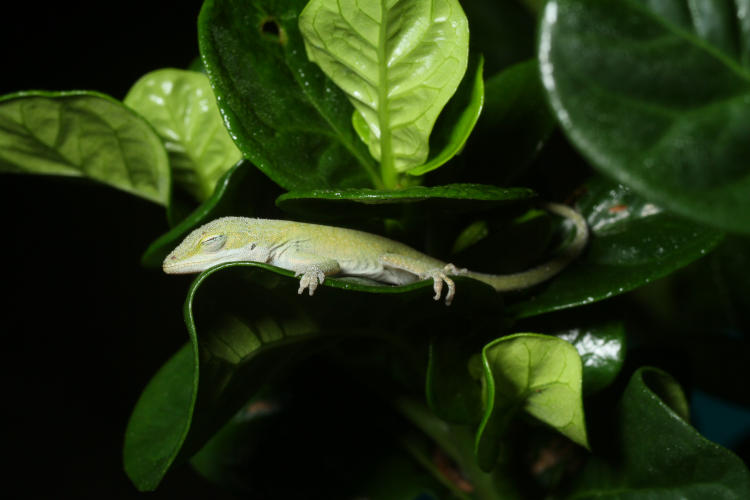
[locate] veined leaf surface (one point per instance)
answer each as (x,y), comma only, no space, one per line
(82,134)
(182,108)
(398,61)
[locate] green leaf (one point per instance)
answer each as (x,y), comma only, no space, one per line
(650,451)
(657,95)
(246,324)
(399,63)
(471,235)
(240,348)
(515,124)
(161,420)
(82,134)
(456,122)
(538,373)
(283,113)
(352,203)
(242,191)
(452,391)
(633,242)
(601,347)
(181,106)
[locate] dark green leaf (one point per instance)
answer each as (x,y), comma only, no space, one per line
(538,373)
(181,106)
(242,191)
(455,123)
(82,134)
(650,451)
(602,350)
(345,203)
(246,324)
(283,113)
(657,95)
(161,420)
(633,242)
(515,123)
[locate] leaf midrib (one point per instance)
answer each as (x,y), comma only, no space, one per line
(387,164)
(695,40)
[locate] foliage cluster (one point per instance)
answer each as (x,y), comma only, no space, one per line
(394,120)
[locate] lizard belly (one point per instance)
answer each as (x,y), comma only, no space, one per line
(374,269)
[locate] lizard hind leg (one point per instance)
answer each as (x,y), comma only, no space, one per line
(437,273)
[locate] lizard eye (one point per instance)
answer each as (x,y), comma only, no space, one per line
(214,243)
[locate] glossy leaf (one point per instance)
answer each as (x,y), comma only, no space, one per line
(537,373)
(601,347)
(246,335)
(453,393)
(247,323)
(283,113)
(242,191)
(82,134)
(657,95)
(650,451)
(399,63)
(457,121)
(181,106)
(363,202)
(633,242)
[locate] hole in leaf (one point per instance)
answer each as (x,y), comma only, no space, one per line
(271,29)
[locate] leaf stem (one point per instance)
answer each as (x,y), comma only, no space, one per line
(387,161)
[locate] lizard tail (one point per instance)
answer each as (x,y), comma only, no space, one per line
(536,275)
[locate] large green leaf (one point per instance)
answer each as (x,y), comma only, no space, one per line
(242,191)
(602,350)
(657,95)
(283,113)
(454,395)
(650,451)
(399,63)
(248,332)
(82,134)
(350,203)
(181,106)
(247,323)
(456,122)
(538,373)
(633,242)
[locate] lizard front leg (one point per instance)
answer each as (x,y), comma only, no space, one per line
(432,269)
(311,270)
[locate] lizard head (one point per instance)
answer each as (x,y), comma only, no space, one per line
(228,239)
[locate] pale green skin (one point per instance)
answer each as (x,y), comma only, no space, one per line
(315,251)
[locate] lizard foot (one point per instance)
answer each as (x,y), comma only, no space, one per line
(310,279)
(439,277)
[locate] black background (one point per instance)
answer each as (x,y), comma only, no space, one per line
(84,326)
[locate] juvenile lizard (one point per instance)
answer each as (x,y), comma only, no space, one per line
(315,251)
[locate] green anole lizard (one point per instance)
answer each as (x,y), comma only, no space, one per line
(315,251)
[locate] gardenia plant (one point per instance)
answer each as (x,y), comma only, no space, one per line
(441,125)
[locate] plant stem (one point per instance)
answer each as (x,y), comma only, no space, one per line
(387,161)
